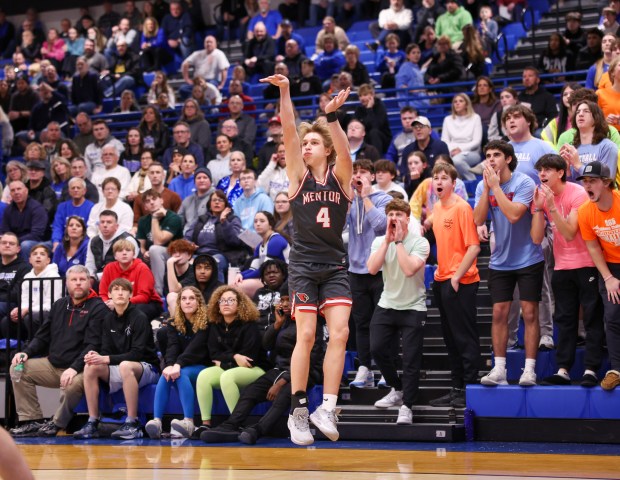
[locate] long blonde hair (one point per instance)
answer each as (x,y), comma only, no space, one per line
(198,320)
(469,107)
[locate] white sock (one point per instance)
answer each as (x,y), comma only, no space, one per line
(93,419)
(589,372)
(530,364)
(500,362)
(329,402)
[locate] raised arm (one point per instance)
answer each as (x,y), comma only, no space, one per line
(295,167)
(344,164)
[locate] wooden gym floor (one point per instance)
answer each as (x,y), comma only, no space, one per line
(63,459)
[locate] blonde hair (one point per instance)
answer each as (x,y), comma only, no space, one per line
(246,310)
(65,162)
(316,127)
(199,319)
(468,106)
(123,244)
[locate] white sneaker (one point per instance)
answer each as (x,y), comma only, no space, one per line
(546,341)
(299,428)
(497,376)
(528,378)
(405,416)
(184,428)
(382,383)
(327,422)
(392,399)
(364,378)
(153,428)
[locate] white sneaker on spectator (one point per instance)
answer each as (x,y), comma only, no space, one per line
(299,428)
(184,428)
(326,421)
(528,378)
(497,376)
(392,399)
(364,378)
(405,416)
(382,383)
(546,341)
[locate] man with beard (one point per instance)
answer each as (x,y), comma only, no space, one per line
(72,330)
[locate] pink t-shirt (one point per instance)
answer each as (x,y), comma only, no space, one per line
(573,254)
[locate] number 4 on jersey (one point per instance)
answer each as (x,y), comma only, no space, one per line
(323,217)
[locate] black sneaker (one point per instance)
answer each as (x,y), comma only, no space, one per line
(556,379)
(128,431)
(458,398)
(249,436)
(88,431)
(199,431)
(445,401)
(28,429)
(220,434)
(372,46)
(589,380)
(48,429)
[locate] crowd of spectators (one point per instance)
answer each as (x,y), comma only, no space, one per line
(150,224)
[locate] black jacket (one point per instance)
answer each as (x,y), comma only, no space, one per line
(70,332)
(280,345)
(45,195)
(542,104)
(128,337)
(225,341)
(187,349)
(11,276)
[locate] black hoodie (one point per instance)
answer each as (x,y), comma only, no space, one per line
(11,276)
(70,332)
(128,337)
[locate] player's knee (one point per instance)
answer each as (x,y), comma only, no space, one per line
(339,335)
(306,337)
(126,369)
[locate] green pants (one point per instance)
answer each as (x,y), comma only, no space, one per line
(229,381)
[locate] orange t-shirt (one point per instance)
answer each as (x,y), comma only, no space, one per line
(609,101)
(602,226)
(455,231)
(604,82)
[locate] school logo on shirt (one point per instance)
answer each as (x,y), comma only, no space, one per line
(448,223)
(493,201)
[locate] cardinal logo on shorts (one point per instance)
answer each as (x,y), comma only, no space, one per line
(302,297)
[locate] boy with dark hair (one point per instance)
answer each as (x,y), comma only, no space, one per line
(385,173)
(507,195)
(456,283)
(127,359)
(559,202)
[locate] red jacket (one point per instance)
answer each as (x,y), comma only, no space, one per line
(140,277)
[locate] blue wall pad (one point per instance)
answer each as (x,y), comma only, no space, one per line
(513,401)
(506,401)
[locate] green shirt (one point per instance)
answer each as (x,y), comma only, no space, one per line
(170,223)
(399,291)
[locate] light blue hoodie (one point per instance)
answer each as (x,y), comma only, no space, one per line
(364,227)
(247,207)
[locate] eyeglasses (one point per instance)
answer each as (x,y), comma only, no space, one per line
(227,301)
(180,131)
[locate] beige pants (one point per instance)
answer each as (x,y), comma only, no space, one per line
(40,372)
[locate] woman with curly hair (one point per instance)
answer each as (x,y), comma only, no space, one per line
(234,346)
(185,357)
(74,246)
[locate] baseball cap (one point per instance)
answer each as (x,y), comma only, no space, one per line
(422,121)
(179,150)
(286,23)
(36,165)
(275,119)
(204,170)
(595,169)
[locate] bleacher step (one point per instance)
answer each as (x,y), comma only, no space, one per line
(390,432)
